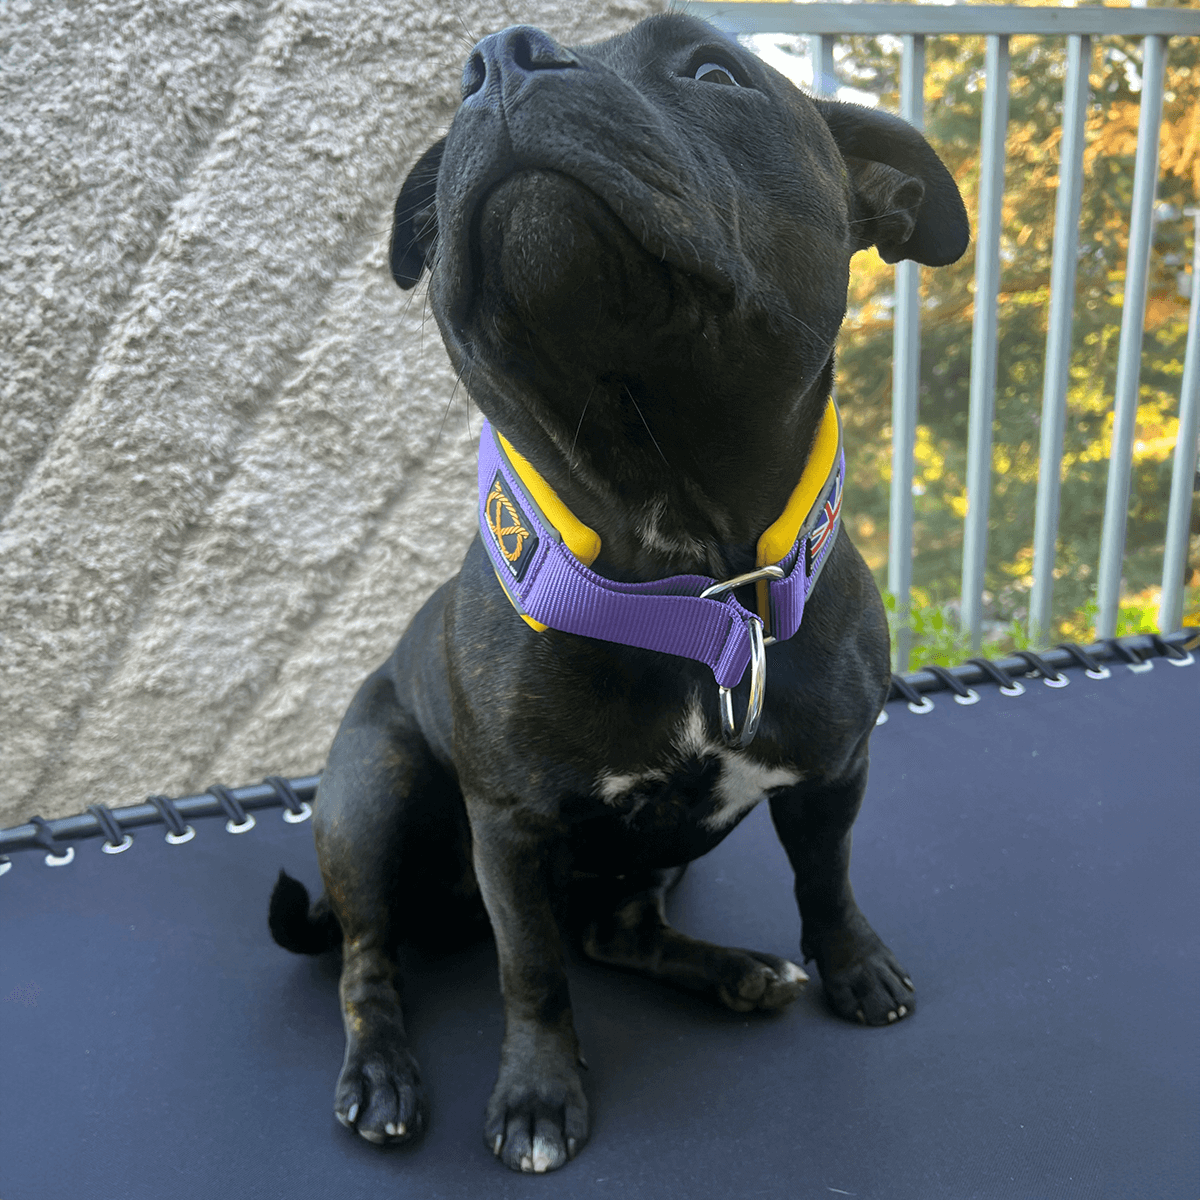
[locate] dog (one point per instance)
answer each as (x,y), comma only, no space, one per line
(638,254)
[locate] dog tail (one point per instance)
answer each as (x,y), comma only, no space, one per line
(297,927)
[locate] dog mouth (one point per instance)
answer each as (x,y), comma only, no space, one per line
(548,216)
(547,246)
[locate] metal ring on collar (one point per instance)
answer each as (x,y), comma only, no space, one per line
(758,691)
(728,585)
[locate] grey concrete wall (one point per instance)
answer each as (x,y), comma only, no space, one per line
(233,461)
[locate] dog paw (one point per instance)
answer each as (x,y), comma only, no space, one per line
(862,979)
(746,980)
(380,1096)
(536,1126)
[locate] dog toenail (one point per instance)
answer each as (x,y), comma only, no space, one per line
(572,1146)
(498,1143)
(861,1019)
(908,983)
(892,1016)
(352,1115)
(373,1135)
(903,1011)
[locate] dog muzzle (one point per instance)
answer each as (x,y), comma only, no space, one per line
(542,555)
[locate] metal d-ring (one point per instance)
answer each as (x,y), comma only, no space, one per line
(758,691)
(758,662)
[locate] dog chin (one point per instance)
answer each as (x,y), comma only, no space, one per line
(552,249)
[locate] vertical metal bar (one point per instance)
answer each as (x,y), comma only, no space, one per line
(1170,611)
(1133,320)
(824,80)
(983,336)
(906,378)
(1058,335)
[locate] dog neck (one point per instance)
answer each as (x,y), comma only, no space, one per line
(658,504)
(528,529)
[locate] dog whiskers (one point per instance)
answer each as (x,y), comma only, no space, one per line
(575,439)
(648,429)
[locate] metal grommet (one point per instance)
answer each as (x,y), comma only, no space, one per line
(1185,661)
(61,860)
(116,840)
(5,864)
(1140,668)
(1099,673)
(926,706)
(294,818)
(972,697)
(1017,689)
(240,821)
(882,719)
(758,691)
(177,839)
(1056,681)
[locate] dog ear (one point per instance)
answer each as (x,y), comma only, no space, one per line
(908,203)
(414,225)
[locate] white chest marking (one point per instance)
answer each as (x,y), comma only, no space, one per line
(741,784)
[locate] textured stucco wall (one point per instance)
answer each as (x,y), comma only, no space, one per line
(232,458)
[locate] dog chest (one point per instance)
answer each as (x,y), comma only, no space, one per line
(692,795)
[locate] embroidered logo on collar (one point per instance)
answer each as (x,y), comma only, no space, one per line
(542,555)
(509,528)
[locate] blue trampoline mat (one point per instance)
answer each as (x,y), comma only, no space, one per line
(1032,861)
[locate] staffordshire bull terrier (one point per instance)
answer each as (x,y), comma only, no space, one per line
(638,254)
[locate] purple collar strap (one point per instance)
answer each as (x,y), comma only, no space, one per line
(542,556)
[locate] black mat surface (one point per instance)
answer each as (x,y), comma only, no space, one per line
(1031,860)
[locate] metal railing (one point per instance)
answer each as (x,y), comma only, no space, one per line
(823,23)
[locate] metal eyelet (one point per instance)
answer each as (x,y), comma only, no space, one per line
(177,839)
(1056,681)
(242,826)
(294,818)
(1185,661)
(118,847)
(1102,673)
(926,706)
(61,860)
(972,697)
(1140,668)
(1017,689)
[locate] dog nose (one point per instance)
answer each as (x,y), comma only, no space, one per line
(514,53)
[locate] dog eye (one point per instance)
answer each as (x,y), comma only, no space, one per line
(711,73)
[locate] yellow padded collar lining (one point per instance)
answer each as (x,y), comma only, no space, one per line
(773,546)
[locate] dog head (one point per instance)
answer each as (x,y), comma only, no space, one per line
(640,256)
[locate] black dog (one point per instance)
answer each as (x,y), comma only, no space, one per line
(639,255)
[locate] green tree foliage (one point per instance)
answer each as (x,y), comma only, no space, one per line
(954,96)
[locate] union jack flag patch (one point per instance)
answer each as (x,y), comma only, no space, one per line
(822,533)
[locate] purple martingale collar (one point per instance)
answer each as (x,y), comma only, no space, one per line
(691,615)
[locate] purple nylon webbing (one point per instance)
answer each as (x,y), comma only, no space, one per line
(668,615)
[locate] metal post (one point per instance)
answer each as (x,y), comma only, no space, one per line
(1058,334)
(983,336)
(1133,319)
(1170,612)
(906,378)
(824,80)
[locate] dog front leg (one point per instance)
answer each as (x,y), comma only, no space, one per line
(862,979)
(537,1117)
